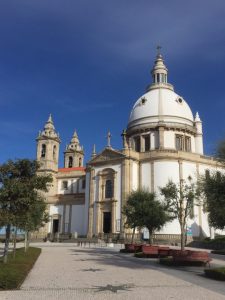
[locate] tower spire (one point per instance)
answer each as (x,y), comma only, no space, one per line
(159,72)
(74,153)
(93,152)
(50,118)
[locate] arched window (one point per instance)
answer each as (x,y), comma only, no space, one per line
(54,152)
(43,150)
(70,164)
(108,189)
(80,162)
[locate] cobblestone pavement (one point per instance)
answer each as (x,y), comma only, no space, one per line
(65,271)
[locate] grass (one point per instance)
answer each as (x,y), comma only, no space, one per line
(216,273)
(15,271)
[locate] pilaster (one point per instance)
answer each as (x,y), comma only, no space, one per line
(113,216)
(91,205)
(200,207)
(125,188)
(161,137)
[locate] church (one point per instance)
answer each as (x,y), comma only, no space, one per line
(163,141)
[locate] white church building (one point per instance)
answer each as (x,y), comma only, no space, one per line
(163,140)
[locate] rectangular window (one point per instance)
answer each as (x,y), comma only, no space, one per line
(137,144)
(83,183)
(188,144)
(147,142)
(65,185)
(179,142)
(158,78)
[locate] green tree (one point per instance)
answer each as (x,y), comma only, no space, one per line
(220,151)
(20,188)
(131,211)
(213,189)
(180,200)
(144,210)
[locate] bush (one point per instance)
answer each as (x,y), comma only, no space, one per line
(169,261)
(144,255)
(222,252)
(15,271)
(125,251)
(140,255)
(217,273)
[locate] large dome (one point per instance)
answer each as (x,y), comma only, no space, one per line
(160,105)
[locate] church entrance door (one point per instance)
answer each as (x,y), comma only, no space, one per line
(106,222)
(55,227)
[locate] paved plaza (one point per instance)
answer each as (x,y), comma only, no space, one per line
(66,271)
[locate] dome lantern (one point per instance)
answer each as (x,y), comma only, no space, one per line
(159,73)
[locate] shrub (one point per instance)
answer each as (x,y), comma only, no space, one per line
(217,273)
(140,255)
(222,252)
(169,261)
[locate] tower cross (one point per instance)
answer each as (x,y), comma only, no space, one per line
(158,49)
(109,139)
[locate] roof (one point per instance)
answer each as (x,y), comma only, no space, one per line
(71,169)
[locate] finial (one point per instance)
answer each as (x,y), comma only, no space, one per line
(50,118)
(158,50)
(93,151)
(75,133)
(197,118)
(109,139)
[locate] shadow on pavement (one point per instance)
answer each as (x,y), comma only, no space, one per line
(193,275)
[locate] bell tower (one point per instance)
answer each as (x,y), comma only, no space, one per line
(48,142)
(74,154)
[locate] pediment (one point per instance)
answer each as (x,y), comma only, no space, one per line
(108,154)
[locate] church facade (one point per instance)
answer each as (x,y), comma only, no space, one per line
(162,141)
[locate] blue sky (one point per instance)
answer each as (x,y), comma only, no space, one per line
(87,62)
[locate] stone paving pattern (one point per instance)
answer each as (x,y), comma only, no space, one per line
(65,271)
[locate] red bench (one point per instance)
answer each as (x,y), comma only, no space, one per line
(191,256)
(133,247)
(149,250)
(164,251)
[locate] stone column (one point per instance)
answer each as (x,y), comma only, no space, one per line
(140,175)
(70,218)
(181,177)
(125,188)
(91,205)
(64,218)
(114,184)
(142,142)
(98,204)
(200,207)
(98,217)
(113,216)
(152,177)
(161,137)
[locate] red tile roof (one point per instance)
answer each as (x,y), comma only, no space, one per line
(71,169)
